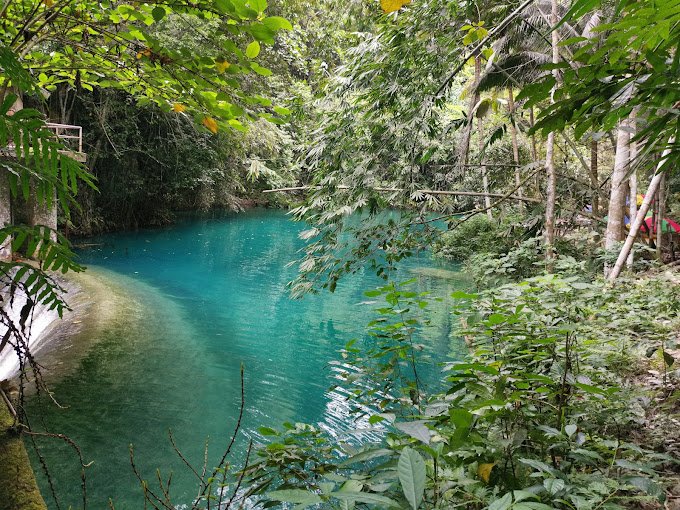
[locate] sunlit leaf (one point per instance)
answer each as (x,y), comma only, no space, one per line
(484,471)
(253,49)
(210,124)
(393,5)
(222,65)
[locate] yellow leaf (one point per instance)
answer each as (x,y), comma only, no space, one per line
(484,471)
(48,3)
(211,124)
(222,66)
(139,55)
(178,107)
(393,5)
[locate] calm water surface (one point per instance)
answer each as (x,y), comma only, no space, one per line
(205,296)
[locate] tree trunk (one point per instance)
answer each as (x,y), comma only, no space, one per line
(464,149)
(632,209)
(661,212)
(617,196)
(551,186)
(594,179)
(642,212)
(5,194)
(515,144)
(534,150)
(633,187)
(5,216)
(480,143)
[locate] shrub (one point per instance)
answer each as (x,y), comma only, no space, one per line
(477,235)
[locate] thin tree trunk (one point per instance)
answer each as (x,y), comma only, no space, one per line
(594,179)
(617,196)
(464,149)
(551,186)
(480,144)
(5,215)
(642,212)
(632,186)
(534,150)
(661,212)
(515,144)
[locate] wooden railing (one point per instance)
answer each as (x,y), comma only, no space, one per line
(67,133)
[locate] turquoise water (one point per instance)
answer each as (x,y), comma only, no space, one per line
(205,296)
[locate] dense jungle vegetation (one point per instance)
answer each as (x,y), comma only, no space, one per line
(534,142)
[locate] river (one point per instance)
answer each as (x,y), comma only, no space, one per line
(202,298)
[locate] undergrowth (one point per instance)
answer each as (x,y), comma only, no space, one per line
(542,413)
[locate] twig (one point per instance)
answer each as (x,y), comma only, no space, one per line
(73,445)
(148,493)
(181,456)
(231,443)
(240,478)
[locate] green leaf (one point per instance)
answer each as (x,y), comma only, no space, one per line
(262,33)
(459,294)
(668,359)
(258,5)
(298,496)
(277,23)
(267,431)
(376,418)
(366,455)
(554,485)
(503,503)
(626,464)
(263,71)
(415,429)
(158,13)
(365,497)
(412,473)
(281,110)
(253,49)
(647,485)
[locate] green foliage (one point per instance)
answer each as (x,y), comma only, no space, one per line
(150,165)
(478,235)
(381,126)
(540,415)
(630,63)
(88,44)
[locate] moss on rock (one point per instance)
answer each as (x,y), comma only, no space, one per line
(18,488)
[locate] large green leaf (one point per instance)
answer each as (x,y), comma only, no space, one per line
(411,469)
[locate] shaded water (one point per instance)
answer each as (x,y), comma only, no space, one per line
(202,298)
